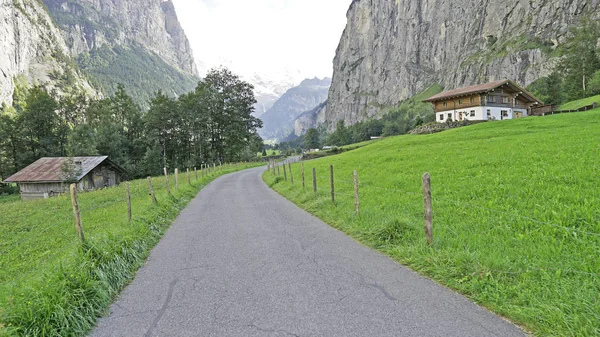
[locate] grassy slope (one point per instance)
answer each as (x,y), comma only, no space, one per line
(574,105)
(49,285)
(500,190)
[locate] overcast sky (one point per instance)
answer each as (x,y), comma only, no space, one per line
(265,36)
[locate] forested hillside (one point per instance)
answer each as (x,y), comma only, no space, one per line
(210,124)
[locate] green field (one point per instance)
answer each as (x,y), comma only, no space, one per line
(50,285)
(516,209)
(574,105)
(8,198)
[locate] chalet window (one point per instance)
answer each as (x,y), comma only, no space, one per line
(449,116)
(492,99)
(472,99)
(460,101)
(441,117)
(504,113)
(472,113)
(489,113)
(445,104)
(505,100)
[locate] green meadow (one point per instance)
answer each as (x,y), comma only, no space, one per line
(574,105)
(516,213)
(50,284)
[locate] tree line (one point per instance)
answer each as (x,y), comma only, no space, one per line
(577,74)
(211,124)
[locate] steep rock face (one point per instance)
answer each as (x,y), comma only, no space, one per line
(310,119)
(278,122)
(33,51)
(153,24)
(390,50)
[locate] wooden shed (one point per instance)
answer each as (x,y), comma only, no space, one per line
(48,177)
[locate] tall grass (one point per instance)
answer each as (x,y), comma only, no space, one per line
(50,285)
(516,213)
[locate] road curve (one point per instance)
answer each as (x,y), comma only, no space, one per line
(241,260)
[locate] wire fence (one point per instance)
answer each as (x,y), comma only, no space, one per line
(41,230)
(346,190)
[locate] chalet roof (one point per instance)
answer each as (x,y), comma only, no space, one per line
(483,88)
(46,170)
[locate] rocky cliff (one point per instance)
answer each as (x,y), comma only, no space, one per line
(92,24)
(278,121)
(391,50)
(138,43)
(33,51)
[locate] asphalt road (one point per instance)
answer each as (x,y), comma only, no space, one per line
(242,261)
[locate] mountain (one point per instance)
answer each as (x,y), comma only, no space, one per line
(391,50)
(309,119)
(268,90)
(34,51)
(73,45)
(139,43)
(278,121)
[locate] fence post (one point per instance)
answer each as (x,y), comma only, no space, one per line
(315,179)
(291,174)
(128,201)
(215,167)
(332,184)
(356,201)
(176,179)
(278,171)
(76,213)
(284,173)
(188,177)
(167,181)
(303,176)
(428,208)
(196,172)
(152,191)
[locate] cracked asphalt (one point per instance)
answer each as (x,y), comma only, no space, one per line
(241,260)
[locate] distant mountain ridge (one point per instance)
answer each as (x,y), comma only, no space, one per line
(278,121)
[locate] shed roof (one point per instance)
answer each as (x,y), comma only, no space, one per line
(483,88)
(49,169)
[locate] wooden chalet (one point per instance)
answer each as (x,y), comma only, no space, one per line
(491,101)
(48,177)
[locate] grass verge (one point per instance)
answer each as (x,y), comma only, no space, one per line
(50,285)
(516,213)
(574,105)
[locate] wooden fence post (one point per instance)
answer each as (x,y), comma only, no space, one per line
(315,179)
(278,171)
(303,186)
(291,174)
(215,167)
(76,213)
(176,179)
(128,201)
(284,173)
(196,172)
(332,183)
(167,181)
(188,177)
(356,201)
(154,201)
(428,208)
